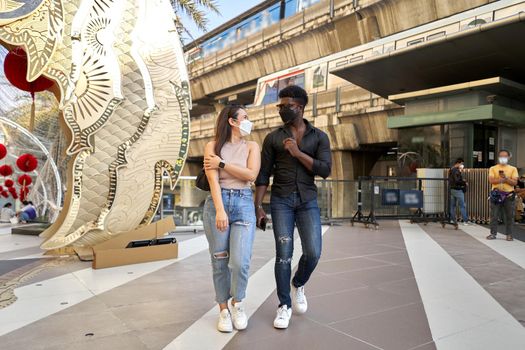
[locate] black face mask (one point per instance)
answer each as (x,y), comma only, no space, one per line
(288,114)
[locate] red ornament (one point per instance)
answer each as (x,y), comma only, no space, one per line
(15,67)
(25,180)
(14,195)
(4,194)
(11,190)
(1,188)
(9,183)
(23,193)
(6,170)
(3,151)
(27,162)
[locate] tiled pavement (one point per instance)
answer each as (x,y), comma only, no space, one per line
(363,295)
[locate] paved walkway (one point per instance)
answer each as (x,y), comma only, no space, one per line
(401,287)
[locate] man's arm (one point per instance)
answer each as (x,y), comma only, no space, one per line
(263,180)
(494,179)
(513,179)
(458,177)
(321,165)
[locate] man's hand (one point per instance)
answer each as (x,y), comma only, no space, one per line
(291,146)
(260,214)
(211,162)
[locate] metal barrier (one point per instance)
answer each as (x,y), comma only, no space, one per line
(359,200)
(337,200)
(417,199)
(476,197)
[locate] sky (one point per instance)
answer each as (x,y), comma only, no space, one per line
(228,9)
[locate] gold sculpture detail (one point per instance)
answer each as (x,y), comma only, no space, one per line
(124,96)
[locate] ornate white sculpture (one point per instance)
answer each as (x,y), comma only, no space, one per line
(125,99)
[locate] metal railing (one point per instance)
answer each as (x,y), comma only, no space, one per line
(359,200)
(337,201)
(417,199)
(308,18)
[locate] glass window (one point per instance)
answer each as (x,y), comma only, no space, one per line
(252,25)
(297,79)
(275,13)
(290,8)
(302,4)
(267,92)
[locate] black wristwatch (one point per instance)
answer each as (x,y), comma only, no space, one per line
(221,164)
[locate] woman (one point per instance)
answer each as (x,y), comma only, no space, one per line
(231,165)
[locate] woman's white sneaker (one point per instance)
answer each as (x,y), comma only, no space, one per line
(240,320)
(225,322)
(282,320)
(300,305)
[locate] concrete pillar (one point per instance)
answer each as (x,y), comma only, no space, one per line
(519,159)
(348,166)
(368,29)
(343,193)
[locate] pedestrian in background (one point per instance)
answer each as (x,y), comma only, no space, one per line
(503,177)
(458,187)
(520,198)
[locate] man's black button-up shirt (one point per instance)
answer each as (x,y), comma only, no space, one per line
(289,175)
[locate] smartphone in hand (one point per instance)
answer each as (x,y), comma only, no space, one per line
(263,223)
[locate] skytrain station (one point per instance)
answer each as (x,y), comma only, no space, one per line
(296,174)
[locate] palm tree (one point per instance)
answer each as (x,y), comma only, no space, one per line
(196,10)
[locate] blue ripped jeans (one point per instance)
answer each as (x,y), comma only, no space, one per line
(231,250)
(286,213)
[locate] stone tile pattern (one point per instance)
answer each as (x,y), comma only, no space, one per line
(363,295)
(500,277)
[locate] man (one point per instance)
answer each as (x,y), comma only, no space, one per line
(296,152)
(503,177)
(458,186)
(6,214)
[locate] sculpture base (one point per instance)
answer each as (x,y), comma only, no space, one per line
(118,251)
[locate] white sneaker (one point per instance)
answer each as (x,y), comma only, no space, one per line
(225,322)
(282,320)
(240,320)
(465,223)
(299,303)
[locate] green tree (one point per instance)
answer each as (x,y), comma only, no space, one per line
(196,10)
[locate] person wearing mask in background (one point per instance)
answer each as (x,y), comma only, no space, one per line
(503,177)
(520,199)
(295,153)
(458,187)
(6,214)
(231,164)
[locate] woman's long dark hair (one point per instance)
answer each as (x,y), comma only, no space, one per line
(223,129)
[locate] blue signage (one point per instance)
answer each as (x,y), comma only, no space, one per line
(411,199)
(390,197)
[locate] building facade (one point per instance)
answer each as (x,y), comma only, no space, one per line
(396,84)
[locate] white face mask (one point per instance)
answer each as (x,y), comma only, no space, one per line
(503,160)
(245,127)
(461,166)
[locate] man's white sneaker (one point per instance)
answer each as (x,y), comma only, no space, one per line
(282,320)
(225,322)
(299,303)
(240,320)
(465,223)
